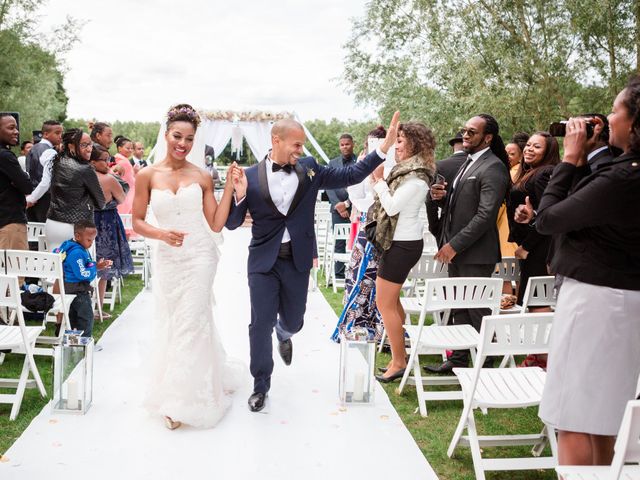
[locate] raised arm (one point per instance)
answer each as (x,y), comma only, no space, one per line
(217,214)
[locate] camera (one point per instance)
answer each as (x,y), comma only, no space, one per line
(559,129)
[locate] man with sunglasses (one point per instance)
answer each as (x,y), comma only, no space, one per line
(466,227)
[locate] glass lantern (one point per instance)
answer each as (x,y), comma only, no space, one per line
(73,374)
(357,362)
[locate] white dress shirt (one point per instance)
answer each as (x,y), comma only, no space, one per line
(45,160)
(408,202)
(474,157)
(282,188)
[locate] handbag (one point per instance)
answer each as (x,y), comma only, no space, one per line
(370,233)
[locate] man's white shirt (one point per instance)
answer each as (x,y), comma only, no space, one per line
(45,160)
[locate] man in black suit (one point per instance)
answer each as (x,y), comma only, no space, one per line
(448,167)
(466,230)
(136,160)
(339,198)
(597,147)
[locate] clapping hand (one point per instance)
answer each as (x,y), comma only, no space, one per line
(392,133)
(104,263)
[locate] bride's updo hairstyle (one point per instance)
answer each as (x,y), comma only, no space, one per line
(183,113)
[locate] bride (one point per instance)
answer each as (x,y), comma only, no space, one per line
(190,378)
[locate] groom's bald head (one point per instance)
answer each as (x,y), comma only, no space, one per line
(287,139)
(283,128)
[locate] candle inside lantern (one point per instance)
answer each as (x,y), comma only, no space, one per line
(72,395)
(358,387)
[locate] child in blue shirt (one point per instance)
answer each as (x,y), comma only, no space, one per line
(79,270)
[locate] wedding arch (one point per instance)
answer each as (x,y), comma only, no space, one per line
(219,127)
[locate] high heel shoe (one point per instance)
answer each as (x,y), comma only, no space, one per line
(170,424)
(391,378)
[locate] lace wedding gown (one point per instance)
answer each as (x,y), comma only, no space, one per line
(191,378)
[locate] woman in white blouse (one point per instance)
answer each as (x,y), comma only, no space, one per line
(399,202)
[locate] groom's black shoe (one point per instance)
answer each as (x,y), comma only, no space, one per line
(256,401)
(286,351)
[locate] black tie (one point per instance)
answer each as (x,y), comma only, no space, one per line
(285,168)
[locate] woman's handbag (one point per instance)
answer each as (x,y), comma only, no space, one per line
(370,232)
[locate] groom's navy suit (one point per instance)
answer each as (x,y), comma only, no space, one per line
(279,277)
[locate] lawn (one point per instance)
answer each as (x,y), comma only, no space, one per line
(433,434)
(33,403)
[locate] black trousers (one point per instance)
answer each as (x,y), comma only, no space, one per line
(278,300)
(81,313)
(471,317)
(38,213)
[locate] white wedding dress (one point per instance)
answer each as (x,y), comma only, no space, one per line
(191,378)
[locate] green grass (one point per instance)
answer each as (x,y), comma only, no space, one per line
(32,402)
(433,434)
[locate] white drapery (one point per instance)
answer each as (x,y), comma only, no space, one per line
(218,133)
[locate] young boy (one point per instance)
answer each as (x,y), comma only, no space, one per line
(79,270)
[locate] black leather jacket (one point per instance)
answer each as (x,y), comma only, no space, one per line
(75,191)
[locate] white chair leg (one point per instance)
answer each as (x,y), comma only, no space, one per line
(22,384)
(417,377)
(405,378)
(474,445)
(383,337)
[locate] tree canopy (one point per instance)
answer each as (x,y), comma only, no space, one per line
(528,63)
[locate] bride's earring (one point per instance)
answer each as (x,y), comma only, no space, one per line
(170,424)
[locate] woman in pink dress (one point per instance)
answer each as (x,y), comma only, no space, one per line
(125,149)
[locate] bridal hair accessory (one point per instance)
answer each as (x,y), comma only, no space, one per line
(183,111)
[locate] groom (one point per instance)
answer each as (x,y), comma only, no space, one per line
(280,194)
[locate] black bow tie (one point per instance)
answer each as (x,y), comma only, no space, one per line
(285,168)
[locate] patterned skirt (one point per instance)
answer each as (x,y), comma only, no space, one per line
(363,311)
(111,244)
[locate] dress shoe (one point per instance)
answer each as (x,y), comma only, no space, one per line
(256,401)
(390,378)
(286,351)
(444,367)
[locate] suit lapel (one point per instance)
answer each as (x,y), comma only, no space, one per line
(472,169)
(264,186)
(300,170)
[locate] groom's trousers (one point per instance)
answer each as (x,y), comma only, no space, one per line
(278,300)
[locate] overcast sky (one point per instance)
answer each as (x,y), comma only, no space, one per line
(137,57)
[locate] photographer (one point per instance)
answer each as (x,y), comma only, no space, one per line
(596,328)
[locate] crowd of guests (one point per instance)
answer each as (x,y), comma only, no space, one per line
(571,217)
(69,181)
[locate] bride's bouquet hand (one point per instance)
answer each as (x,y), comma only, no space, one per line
(173,238)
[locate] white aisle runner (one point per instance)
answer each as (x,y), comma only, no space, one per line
(302,433)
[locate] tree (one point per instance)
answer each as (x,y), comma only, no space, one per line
(442,61)
(32,70)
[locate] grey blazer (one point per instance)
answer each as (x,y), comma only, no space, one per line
(467,221)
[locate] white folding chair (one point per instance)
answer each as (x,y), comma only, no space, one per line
(508,269)
(42,243)
(47,267)
(426,268)
(34,230)
(485,388)
(440,296)
(430,242)
(341,231)
(540,292)
(19,339)
(626,459)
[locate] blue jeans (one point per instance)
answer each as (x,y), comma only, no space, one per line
(81,313)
